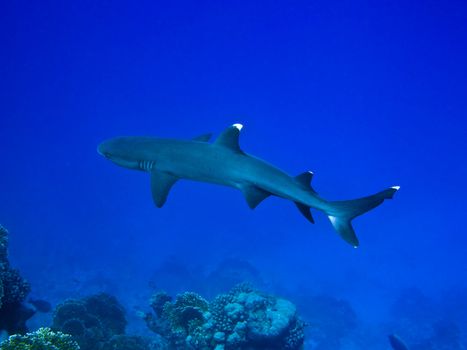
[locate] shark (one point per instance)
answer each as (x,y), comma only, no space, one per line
(223,162)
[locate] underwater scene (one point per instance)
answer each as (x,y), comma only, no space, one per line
(233,175)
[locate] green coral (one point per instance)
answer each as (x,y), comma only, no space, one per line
(42,339)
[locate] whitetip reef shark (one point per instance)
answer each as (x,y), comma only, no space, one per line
(224,162)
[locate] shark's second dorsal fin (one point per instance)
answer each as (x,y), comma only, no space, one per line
(254,195)
(161,183)
(305,179)
(203,138)
(229,138)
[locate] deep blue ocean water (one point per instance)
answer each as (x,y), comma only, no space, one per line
(365,94)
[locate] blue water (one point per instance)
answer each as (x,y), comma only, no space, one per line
(366,95)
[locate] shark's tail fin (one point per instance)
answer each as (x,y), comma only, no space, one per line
(341,213)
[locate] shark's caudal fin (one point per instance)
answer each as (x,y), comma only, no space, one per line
(341,213)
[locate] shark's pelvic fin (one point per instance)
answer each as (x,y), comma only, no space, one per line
(203,138)
(305,212)
(229,138)
(305,179)
(161,183)
(254,195)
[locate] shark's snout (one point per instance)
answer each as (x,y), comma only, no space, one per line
(102,149)
(119,152)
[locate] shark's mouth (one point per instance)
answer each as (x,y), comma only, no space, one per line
(126,163)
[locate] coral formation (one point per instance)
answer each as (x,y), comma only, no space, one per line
(13,291)
(92,321)
(42,339)
(242,319)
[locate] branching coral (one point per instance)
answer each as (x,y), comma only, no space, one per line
(42,339)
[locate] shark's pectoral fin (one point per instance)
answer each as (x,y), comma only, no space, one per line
(161,183)
(305,212)
(305,179)
(203,138)
(254,195)
(229,138)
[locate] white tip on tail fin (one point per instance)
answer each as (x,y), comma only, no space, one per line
(341,213)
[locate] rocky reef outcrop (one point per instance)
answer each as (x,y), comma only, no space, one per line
(91,321)
(97,322)
(242,319)
(13,292)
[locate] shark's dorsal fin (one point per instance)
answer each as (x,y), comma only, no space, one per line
(161,183)
(305,179)
(305,212)
(229,138)
(254,195)
(203,138)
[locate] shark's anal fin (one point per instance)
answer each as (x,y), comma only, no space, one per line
(161,183)
(229,138)
(305,212)
(254,195)
(203,138)
(305,180)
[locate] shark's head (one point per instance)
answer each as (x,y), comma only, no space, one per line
(122,151)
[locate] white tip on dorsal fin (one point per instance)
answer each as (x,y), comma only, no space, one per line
(238,126)
(305,179)
(229,137)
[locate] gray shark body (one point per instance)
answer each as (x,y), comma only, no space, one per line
(223,162)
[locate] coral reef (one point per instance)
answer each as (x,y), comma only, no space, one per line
(242,319)
(42,339)
(13,291)
(92,321)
